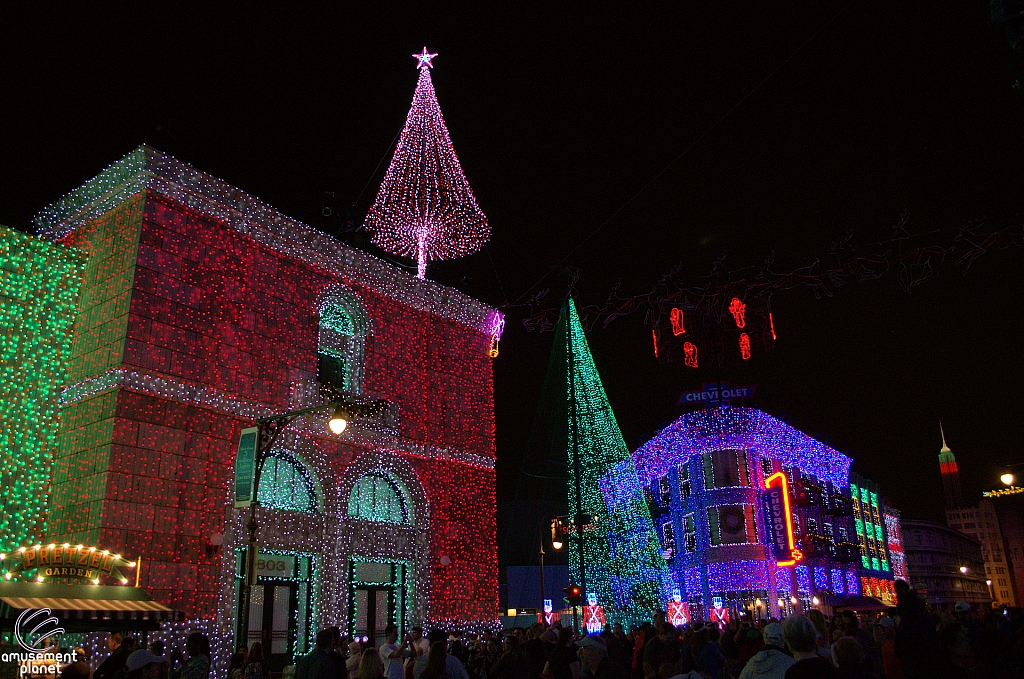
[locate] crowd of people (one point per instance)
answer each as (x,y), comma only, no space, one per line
(910,642)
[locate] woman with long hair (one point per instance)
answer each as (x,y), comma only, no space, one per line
(437,662)
(370,665)
(255,668)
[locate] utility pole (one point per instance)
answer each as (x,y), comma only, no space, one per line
(577,467)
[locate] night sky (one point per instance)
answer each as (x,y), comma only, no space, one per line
(770,128)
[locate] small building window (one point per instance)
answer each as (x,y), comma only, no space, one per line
(664,492)
(732,524)
(689,533)
(725,469)
(341,343)
(685,488)
(766,467)
(376,497)
(285,484)
(668,540)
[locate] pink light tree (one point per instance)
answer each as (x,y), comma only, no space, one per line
(425,207)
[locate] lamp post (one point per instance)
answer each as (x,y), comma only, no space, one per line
(270,428)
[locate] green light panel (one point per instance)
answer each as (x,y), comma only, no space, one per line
(39,285)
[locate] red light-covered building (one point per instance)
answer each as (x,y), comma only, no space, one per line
(203,308)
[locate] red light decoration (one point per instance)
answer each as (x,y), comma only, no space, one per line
(739,312)
(771,324)
(220,325)
(744,346)
(677,322)
(948,467)
(654,336)
(690,355)
(425,208)
(779,480)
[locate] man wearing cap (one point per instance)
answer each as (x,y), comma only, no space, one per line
(773,661)
(596,664)
(143,664)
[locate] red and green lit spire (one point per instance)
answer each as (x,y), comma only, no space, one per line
(950,475)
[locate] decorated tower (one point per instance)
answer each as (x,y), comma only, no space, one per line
(950,475)
(425,207)
(616,557)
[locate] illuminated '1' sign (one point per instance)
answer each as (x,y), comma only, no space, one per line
(780,519)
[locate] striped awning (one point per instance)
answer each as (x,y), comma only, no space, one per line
(85,604)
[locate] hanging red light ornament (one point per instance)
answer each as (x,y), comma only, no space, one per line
(739,312)
(654,336)
(677,322)
(771,323)
(690,354)
(744,345)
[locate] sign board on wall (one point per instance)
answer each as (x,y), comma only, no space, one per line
(245,466)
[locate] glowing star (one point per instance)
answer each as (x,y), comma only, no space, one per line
(424,58)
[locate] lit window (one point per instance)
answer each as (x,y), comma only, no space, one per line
(689,533)
(376,497)
(668,540)
(284,484)
(725,469)
(732,524)
(766,467)
(342,343)
(664,491)
(684,481)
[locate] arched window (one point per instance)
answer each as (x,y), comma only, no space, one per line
(342,342)
(285,484)
(376,497)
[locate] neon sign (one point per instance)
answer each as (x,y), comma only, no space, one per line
(68,561)
(739,312)
(690,354)
(780,519)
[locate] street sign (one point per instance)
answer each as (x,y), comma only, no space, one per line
(245,466)
(709,394)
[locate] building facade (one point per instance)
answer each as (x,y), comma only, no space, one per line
(706,476)
(203,308)
(38,290)
(982,524)
(876,574)
(944,565)
(894,538)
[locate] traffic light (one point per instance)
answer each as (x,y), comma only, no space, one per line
(573,594)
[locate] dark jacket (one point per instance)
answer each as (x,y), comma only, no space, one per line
(316,665)
(114,663)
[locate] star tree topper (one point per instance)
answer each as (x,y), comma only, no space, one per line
(425,208)
(424,58)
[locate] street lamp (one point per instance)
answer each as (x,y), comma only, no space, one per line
(270,428)
(556,533)
(964,569)
(1007,479)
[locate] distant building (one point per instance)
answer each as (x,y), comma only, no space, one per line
(875,573)
(950,475)
(894,540)
(982,524)
(944,565)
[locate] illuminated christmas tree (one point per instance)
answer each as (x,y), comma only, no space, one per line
(622,562)
(425,207)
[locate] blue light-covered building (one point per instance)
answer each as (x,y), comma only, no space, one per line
(704,478)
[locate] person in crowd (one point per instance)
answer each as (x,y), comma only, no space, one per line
(436,666)
(255,666)
(772,661)
(823,644)
(801,635)
(78,669)
(393,654)
(706,654)
(197,666)
(534,652)
(915,634)
(457,648)
(511,664)
(562,656)
(418,642)
(355,654)
(453,665)
(143,664)
(848,656)
(371,665)
(662,649)
(594,660)
(236,666)
(113,663)
(892,668)
(318,664)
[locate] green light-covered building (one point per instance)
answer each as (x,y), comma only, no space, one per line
(39,284)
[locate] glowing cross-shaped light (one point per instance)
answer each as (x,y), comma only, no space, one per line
(424,58)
